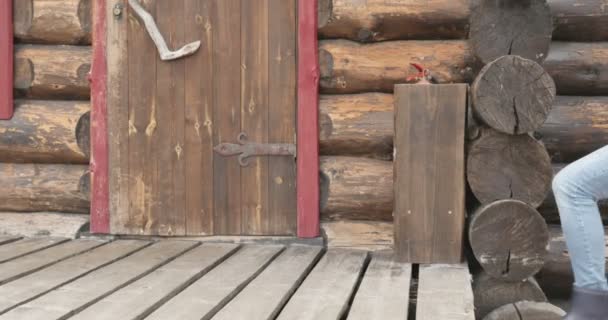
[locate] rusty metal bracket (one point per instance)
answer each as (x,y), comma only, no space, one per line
(159,41)
(247,149)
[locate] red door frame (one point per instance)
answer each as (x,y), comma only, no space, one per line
(307,137)
(6,59)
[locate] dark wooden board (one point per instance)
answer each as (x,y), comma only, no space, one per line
(429,172)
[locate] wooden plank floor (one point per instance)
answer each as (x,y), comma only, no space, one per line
(181,279)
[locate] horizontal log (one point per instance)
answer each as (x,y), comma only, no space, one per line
(357,124)
(362,235)
(45,132)
(579,68)
(44,187)
(379,20)
(362,124)
(52,22)
(548,209)
(48,224)
(52,72)
(351,67)
(356,188)
(576,126)
(556,277)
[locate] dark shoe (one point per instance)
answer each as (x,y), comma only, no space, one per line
(588,304)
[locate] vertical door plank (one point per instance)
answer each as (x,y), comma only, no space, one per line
(77,295)
(118,117)
(34,285)
(141,118)
(25,265)
(325,294)
(25,246)
(266,295)
(254,114)
(138,299)
(384,290)
(199,114)
(208,295)
(170,127)
(444,292)
(226,114)
(429,172)
(282,209)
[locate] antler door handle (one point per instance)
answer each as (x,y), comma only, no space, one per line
(157,37)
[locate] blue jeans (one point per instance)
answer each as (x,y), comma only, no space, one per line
(577,189)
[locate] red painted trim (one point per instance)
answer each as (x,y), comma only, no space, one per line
(100,199)
(308,127)
(6,59)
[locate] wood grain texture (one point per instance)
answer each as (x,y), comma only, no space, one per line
(356,188)
(45,132)
(145,295)
(208,295)
(378,20)
(43,187)
(444,292)
(350,67)
(34,285)
(266,295)
(521,28)
(254,113)
(527,310)
(226,115)
(501,166)
(117,107)
(579,68)
(198,127)
(14,269)
(281,217)
(356,125)
(6,55)
(53,22)
(491,293)
(26,246)
(513,95)
(384,290)
(575,127)
(429,172)
(77,295)
(52,72)
(509,239)
(326,292)
(362,235)
(362,125)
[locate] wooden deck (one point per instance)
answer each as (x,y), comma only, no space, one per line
(51,278)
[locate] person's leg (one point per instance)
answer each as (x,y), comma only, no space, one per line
(577,189)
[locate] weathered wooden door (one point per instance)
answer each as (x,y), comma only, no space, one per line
(166,117)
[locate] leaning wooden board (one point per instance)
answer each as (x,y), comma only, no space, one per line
(429,172)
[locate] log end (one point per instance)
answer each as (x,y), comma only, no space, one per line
(85,17)
(83,134)
(325,9)
(507,27)
(527,310)
(23,13)
(513,95)
(509,239)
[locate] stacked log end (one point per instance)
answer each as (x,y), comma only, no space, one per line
(527,310)
(44,148)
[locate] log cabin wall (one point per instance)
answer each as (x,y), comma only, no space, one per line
(366,47)
(44,148)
